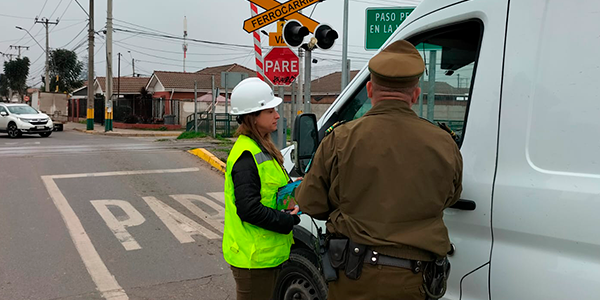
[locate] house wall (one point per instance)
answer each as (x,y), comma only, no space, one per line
(53,104)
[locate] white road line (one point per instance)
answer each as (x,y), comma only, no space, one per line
(105,282)
(122,173)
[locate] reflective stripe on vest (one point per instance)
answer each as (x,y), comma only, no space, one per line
(246,245)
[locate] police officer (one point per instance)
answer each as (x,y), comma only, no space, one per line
(257,237)
(382,182)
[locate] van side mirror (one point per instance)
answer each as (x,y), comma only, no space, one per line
(3,113)
(306,141)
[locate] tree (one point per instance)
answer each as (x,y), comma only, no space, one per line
(16,72)
(64,64)
(3,86)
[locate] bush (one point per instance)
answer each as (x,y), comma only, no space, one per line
(191,135)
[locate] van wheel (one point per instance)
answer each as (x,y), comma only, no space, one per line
(300,279)
(46,134)
(13,131)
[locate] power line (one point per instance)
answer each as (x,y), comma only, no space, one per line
(82,30)
(166,64)
(175,52)
(9,16)
(140,26)
(85,11)
(188,39)
(64,12)
(52,14)
(43,6)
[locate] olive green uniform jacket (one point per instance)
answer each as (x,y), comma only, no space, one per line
(384,180)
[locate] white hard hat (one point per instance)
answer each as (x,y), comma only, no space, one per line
(252,95)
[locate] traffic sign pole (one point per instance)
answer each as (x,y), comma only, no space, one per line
(260,73)
(307,63)
(281,130)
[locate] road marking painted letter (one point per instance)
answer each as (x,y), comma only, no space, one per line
(181,226)
(118,225)
(215,219)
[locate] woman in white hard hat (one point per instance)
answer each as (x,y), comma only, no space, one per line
(257,237)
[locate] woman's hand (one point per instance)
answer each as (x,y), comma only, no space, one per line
(295,211)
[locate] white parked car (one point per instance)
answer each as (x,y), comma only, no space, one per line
(19,119)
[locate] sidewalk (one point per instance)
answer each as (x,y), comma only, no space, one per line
(99,129)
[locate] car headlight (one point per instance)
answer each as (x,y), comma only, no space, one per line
(24,120)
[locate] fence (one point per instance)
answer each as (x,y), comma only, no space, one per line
(225,124)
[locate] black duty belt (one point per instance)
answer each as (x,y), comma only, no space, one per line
(374,258)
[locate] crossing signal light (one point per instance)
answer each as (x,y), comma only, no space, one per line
(325,36)
(294,33)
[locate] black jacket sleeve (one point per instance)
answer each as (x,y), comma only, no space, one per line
(246,183)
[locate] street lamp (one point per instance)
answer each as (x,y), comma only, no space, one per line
(21,28)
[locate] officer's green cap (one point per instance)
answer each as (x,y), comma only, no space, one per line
(399,65)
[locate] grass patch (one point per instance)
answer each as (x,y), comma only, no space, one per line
(221,138)
(191,135)
(83,122)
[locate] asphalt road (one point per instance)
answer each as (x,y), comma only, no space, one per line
(95,217)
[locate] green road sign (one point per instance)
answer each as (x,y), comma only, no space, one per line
(381,23)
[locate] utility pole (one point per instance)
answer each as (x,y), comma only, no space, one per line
(10,56)
(19,48)
(90,88)
(132,64)
(345,48)
(195,106)
(185,45)
(119,79)
(46,23)
(109,75)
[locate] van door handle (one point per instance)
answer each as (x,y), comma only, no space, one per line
(464,205)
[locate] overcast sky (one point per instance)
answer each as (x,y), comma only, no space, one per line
(209,20)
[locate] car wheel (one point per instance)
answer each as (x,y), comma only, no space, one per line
(45,134)
(13,131)
(300,279)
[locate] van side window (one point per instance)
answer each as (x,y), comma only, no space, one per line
(450,56)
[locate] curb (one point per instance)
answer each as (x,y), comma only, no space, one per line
(157,134)
(209,158)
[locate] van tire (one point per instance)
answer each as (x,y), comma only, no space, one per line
(300,279)
(13,131)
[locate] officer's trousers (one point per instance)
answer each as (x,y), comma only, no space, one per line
(378,283)
(255,284)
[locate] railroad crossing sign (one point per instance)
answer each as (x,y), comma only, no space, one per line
(276,38)
(276,11)
(281,66)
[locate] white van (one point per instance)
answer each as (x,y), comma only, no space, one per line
(520,83)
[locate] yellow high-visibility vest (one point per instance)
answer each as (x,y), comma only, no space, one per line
(246,245)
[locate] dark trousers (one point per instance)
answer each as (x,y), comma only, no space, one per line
(378,283)
(255,284)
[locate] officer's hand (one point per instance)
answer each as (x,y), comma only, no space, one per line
(298,179)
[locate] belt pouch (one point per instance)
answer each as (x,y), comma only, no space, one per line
(356,256)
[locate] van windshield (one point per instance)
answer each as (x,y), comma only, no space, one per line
(22,110)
